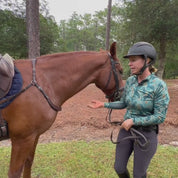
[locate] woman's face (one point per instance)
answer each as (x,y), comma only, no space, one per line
(135,64)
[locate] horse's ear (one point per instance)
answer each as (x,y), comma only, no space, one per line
(114,55)
(113,50)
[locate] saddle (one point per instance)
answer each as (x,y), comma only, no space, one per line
(6,74)
(6,77)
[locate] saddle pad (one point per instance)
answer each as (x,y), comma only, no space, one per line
(16,86)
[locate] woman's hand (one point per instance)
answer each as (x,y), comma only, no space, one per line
(127,124)
(96,104)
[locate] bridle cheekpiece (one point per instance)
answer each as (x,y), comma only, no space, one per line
(116,95)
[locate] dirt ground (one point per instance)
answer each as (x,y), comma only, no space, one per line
(78,122)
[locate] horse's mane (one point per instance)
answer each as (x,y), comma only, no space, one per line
(78,53)
(69,53)
(57,55)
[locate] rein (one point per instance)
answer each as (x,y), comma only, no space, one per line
(33,83)
(135,134)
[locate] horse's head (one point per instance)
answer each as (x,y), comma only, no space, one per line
(110,78)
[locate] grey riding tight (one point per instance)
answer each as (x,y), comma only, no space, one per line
(142,158)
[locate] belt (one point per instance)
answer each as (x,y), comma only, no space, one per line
(146,128)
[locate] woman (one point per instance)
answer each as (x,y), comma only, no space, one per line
(146,99)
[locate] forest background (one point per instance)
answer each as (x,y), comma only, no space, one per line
(131,21)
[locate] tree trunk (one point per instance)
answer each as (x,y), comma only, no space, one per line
(162,58)
(33,28)
(108,24)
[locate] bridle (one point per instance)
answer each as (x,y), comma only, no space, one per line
(116,96)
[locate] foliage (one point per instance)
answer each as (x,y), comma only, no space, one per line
(89,159)
(151,20)
(131,21)
(82,32)
(171,68)
(49,33)
(13,30)
(155,22)
(12,34)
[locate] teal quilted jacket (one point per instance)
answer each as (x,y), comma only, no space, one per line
(146,102)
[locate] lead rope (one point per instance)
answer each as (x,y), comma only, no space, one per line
(135,134)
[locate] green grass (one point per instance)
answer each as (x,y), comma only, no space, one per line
(80,159)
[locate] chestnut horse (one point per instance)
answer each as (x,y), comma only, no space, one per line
(60,76)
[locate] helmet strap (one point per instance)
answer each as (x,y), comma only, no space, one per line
(144,66)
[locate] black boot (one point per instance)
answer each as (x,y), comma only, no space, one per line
(124,175)
(144,176)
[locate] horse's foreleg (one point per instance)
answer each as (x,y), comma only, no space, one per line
(21,149)
(29,160)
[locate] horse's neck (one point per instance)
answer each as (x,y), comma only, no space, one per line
(69,74)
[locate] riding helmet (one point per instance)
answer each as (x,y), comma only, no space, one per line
(142,49)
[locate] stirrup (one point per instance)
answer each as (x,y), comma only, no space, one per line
(4,133)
